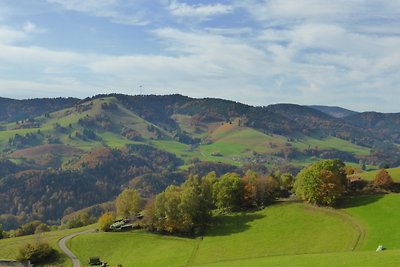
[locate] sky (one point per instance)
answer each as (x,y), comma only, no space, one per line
(339,53)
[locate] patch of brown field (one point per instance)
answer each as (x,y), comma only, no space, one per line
(55,149)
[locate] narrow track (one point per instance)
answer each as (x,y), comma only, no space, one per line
(63,245)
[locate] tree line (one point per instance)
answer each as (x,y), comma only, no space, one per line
(187,208)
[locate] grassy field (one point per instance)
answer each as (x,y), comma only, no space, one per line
(379,216)
(285,234)
(10,246)
(277,230)
(342,259)
(370,175)
(133,249)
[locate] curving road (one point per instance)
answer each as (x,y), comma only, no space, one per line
(63,245)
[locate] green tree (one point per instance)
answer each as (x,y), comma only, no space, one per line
(41,228)
(36,252)
(228,192)
(207,184)
(321,183)
(183,209)
(1,231)
(105,221)
(128,203)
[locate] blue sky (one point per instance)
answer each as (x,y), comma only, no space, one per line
(342,52)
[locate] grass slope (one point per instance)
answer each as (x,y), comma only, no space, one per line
(279,229)
(10,246)
(378,214)
(289,234)
(370,175)
(133,249)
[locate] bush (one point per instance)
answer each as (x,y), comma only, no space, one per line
(105,221)
(36,252)
(383,179)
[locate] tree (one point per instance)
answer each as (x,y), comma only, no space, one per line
(321,183)
(228,192)
(383,179)
(128,203)
(36,252)
(184,209)
(41,228)
(105,221)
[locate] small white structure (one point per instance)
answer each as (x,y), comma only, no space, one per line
(380,248)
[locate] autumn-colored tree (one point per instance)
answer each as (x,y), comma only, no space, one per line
(250,188)
(321,183)
(36,252)
(105,221)
(184,209)
(128,203)
(383,179)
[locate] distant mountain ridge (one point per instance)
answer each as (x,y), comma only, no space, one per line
(14,110)
(333,111)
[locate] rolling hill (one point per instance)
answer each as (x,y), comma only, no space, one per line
(152,141)
(284,234)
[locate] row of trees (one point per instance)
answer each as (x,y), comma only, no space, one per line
(187,208)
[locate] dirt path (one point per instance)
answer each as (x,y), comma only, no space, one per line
(63,245)
(346,217)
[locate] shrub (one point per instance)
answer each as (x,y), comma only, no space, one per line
(105,221)
(383,179)
(36,252)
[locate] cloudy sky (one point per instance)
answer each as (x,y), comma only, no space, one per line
(342,52)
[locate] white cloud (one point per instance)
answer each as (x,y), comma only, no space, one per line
(203,11)
(311,51)
(124,12)
(9,35)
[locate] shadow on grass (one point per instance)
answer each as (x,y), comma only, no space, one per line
(224,225)
(358,201)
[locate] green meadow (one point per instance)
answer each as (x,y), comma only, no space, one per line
(283,234)
(9,246)
(280,229)
(370,175)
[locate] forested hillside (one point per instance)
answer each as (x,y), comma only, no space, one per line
(64,154)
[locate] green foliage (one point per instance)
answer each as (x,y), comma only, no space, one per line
(183,209)
(228,192)
(105,221)
(28,228)
(77,219)
(321,183)
(128,203)
(36,252)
